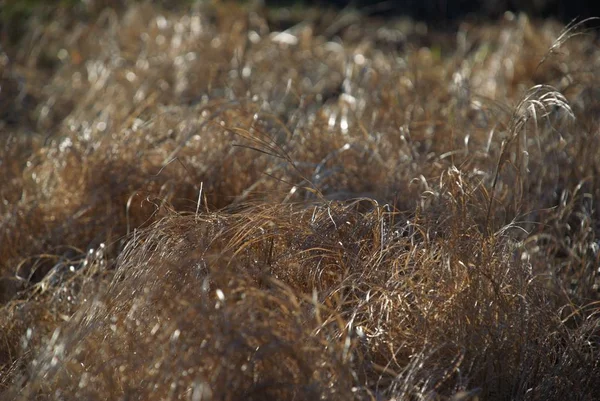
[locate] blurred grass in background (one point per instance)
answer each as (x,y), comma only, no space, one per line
(16,13)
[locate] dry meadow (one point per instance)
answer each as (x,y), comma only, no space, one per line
(218,202)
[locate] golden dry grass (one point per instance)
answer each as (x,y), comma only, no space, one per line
(196,207)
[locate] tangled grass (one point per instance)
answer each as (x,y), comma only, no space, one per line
(195,206)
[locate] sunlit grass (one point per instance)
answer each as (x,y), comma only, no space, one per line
(196,206)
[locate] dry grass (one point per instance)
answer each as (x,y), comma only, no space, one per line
(195,207)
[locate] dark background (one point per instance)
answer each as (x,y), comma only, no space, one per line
(440,10)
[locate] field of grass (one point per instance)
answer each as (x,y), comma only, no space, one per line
(215,202)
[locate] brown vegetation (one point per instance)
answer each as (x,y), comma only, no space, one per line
(196,207)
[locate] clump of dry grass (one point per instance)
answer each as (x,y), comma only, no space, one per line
(198,207)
